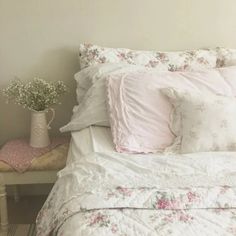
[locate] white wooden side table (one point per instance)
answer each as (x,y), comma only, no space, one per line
(42,171)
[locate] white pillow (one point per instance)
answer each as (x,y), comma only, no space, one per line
(91,111)
(202,121)
(87,77)
(92,108)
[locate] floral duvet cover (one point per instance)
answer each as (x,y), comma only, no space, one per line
(119,194)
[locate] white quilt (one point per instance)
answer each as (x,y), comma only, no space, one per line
(106,193)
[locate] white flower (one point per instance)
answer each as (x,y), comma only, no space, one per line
(37,94)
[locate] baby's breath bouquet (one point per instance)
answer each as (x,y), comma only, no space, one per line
(36,95)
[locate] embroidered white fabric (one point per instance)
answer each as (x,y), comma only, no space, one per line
(102,192)
(202,121)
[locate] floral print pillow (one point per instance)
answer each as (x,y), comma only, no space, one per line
(202,122)
(166,61)
(225,57)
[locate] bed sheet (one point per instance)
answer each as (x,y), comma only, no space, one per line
(89,140)
(101,192)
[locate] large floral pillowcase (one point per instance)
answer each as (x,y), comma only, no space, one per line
(225,57)
(139,112)
(171,61)
(202,122)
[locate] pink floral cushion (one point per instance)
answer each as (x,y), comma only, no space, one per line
(167,61)
(20,156)
(226,57)
(140,114)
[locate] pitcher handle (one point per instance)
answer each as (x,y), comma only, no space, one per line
(52,118)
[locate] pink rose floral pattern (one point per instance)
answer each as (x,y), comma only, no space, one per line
(168,206)
(168,61)
(127,222)
(99,219)
(165,201)
(225,57)
(120,192)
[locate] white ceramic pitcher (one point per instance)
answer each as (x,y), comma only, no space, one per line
(39,137)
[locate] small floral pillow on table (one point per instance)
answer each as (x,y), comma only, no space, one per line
(202,122)
(165,61)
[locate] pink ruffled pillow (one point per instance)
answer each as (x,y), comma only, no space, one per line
(140,114)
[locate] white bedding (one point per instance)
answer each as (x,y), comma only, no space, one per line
(102,192)
(89,140)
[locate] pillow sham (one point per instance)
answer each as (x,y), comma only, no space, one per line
(169,61)
(140,114)
(91,93)
(87,77)
(226,57)
(91,111)
(202,121)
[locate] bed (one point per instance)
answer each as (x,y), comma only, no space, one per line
(105,192)
(118,193)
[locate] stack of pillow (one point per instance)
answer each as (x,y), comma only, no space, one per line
(177,102)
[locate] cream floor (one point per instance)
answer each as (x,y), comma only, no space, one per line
(24,211)
(20,230)
(22,215)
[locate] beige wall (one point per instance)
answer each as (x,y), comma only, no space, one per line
(40,38)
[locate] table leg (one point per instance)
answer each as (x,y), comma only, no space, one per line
(3,207)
